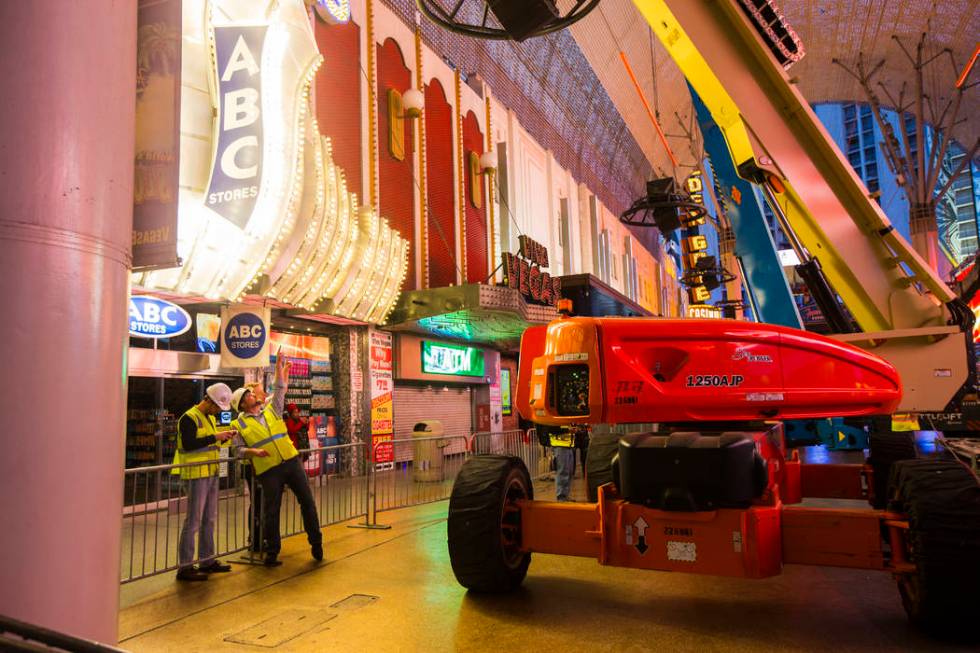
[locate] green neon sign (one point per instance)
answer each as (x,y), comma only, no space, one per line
(458,360)
(505,405)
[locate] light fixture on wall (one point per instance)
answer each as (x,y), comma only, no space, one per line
(402,106)
(488,162)
(412,103)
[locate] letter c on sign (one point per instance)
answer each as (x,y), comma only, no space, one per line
(228,164)
(167,315)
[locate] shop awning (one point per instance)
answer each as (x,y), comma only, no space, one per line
(493,315)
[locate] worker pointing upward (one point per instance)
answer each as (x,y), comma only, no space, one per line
(264,429)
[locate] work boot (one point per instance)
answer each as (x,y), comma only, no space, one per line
(317,551)
(272,560)
(190,573)
(215,567)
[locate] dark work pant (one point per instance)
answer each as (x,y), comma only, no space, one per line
(291,473)
(254,509)
(564,471)
(583,453)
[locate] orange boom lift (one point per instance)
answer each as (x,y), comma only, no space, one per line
(717,493)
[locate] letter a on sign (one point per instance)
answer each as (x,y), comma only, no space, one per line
(241,59)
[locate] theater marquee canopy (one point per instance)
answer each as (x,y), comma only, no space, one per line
(262,207)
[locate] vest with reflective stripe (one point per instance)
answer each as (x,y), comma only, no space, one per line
(205,427)
(562,437)
(272,438)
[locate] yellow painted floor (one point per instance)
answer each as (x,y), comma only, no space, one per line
(401,596)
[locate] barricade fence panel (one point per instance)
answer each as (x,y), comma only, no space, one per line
(423,469)
(156,505)
(523,444)
(348,481)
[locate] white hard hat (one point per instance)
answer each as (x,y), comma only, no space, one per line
(236,398)
(220,394)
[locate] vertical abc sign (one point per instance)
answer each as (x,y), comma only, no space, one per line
(236,171)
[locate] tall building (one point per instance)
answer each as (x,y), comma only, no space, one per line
(857,134)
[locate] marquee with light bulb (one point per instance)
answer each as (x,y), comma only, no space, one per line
(305,240)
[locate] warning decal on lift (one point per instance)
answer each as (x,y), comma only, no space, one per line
(640,541)
(682,551)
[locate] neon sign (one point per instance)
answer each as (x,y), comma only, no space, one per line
(505,404)
(523,272)
(703,311)
(458,360)
(150,317)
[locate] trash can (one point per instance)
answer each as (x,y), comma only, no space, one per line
(427,462)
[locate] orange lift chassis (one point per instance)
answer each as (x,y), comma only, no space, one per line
(713,490)
(718,493)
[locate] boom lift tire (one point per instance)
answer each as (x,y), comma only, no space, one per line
(887,447)
(598,462)
(941,499)
(484,524)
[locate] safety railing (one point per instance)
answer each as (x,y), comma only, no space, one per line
(348,482)
(157,504)
(414,471)
(523,444)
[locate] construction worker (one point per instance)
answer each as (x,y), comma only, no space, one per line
(264,428)
(197,442)
(254,491)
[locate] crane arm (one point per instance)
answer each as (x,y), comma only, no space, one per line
(774,138)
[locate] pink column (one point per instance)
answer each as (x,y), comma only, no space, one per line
(67,76)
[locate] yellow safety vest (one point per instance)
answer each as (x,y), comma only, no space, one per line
(205,427)
(562,438)
(272,438)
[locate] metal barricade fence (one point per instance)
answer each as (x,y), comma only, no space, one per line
(156,504)
(523,444)
(348,481)
(414,471)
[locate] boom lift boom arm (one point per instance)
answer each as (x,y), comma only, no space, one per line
(905,310)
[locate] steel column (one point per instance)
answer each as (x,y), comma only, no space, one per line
(67,79)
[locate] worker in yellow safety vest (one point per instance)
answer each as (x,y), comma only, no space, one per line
(562,440)
(196,461)
(263,428)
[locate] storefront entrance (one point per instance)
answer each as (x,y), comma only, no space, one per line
(452,405)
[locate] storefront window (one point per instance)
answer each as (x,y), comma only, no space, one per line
(154,406)
(311,389)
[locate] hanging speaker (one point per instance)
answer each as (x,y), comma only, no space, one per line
(523,18)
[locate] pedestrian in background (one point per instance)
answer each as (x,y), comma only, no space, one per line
(298,427)
(561,439)
(582,437)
